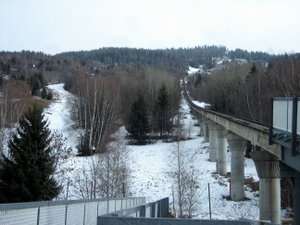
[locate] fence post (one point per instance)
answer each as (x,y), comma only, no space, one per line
(97,208)
(84,209)
(66,214)
(38,216)
(209,203)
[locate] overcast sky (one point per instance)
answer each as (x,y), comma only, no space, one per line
(54,26)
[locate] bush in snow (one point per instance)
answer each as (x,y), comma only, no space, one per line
(105,176)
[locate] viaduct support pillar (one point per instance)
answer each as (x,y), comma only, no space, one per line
(204,128)
(296,196)
(212,141)
(289,172)
(267,166)
(200,121)
(221,150)
(237,146)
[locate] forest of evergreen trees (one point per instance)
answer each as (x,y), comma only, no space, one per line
(173,59)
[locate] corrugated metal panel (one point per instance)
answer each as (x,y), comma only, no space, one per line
(90,213)
(52,215)
(282,115)
(124,202)
(118,204)
(111,206)
(19,217)
(75,214)
(102,208)
(148,211)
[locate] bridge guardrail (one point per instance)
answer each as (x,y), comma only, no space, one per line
(73,212)
(257,134)
(156,213)
(155,209)
(261,127)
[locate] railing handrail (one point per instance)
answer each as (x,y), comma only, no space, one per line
(26,205)
(251,124)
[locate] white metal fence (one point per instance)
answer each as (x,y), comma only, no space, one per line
(283,114)
(74,212)
(155,209)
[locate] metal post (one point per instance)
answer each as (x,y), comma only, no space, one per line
(84,209)
(97,209)
(209,203)
(66,214)
(38,216)
(271,122)
(68,186)
(294,126)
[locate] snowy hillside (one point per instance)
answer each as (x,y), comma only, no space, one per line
(59,115)
(150,165)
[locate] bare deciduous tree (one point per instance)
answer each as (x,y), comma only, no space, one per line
(96,110)
(13,98)
(185,184)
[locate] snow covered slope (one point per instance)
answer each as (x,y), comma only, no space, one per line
(150,165)
(59,115)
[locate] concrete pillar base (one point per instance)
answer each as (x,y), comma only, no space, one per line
(201,119)
(204,128)
(267,166)
(296,203)
(221,150)
(237,146)
(212,141)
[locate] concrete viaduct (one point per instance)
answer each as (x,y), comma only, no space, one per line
(217,128)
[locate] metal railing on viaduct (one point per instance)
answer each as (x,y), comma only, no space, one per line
(126,211)
(156,213)
(73,212)
(270,160)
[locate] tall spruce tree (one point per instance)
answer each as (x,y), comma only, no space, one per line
(26,174)
(162,112)
(138,125)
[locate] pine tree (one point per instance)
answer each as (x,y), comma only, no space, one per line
(27,173)
(162,110)
(138,126)
(83,146)
(44,93)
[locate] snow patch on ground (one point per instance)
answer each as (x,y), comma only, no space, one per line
(193,70)
(201,104)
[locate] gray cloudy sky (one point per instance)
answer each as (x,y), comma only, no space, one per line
(54,26)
